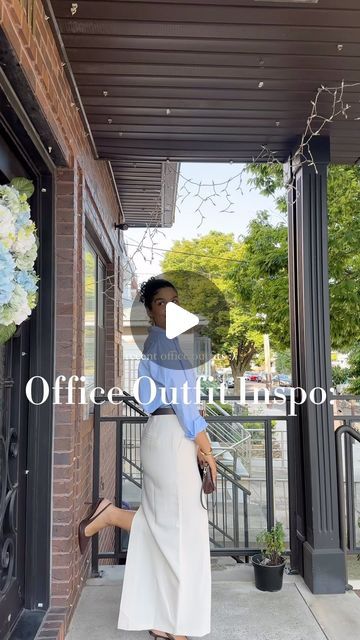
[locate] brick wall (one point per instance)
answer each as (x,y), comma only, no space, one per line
(84,189)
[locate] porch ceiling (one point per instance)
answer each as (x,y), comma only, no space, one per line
(208,80)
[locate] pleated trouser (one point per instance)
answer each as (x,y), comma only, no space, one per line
(167,578)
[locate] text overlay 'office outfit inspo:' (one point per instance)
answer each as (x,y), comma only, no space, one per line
(167,578)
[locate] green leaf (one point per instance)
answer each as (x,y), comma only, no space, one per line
(6,331)
(266,281)
(272,543)
(23,185)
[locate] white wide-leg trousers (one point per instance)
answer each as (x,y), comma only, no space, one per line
(167,579)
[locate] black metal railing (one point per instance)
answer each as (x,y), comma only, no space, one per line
(346,437)
(224,526)
(229,520)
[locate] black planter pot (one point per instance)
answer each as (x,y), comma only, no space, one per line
(267,577)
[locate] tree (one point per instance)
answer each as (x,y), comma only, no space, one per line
(283,361)
(339,375)
(213,256)
(261,278)
(354,370)
(344,242)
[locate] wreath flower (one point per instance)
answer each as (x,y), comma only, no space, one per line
(18,251)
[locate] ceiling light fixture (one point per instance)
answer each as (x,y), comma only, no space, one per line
(122,226)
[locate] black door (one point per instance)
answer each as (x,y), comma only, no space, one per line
(14,368)
(26,429)
(14,374)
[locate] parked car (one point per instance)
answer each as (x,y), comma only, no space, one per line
(230,382)
(253,376)
(281,380)
(261,376)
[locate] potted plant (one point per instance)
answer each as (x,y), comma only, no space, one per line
(270,563)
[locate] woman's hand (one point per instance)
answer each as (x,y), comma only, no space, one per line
(208,460)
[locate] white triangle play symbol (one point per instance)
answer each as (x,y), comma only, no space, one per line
(178,320)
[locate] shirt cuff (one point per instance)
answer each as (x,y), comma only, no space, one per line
(199,424)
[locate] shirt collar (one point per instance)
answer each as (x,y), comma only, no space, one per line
(154,328)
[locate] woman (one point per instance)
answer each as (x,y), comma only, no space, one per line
(167,578)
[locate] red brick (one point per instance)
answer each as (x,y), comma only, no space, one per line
(85,185)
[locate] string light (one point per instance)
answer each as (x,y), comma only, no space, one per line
(186,253)
(209,192)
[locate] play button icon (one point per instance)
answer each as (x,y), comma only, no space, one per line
(195,312)
(178,320)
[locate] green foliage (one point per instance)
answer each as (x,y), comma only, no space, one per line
(354,370)
(272,543)
(256,438)
(259,437)
(208,384)
(343,255)
(224,405)
(6,331)
(254,275)
(214,256)
(24,186)
(261,278)
(339,374)
(268,179)
(283,362)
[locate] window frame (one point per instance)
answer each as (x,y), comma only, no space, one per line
(100,315)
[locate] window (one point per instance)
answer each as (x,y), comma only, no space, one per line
(94,321)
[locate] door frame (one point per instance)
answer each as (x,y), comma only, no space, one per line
(19,134)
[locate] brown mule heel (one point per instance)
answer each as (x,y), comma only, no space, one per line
(82,538)
(168,635)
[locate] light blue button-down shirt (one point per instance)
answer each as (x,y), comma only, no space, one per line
(163,362)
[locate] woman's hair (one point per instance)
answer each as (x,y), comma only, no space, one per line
(149,289)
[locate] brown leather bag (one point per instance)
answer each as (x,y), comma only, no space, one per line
(207,485)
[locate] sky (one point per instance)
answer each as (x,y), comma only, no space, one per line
(246,202)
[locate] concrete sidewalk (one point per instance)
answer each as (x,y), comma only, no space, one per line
(239,610)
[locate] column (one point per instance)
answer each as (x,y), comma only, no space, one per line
(313,491)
